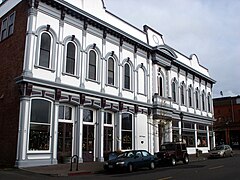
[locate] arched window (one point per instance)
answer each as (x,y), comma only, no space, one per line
(40,120)
(209,103)
(197,99)
(70,59)
(203,100)
(45,50)
(174,95)
(190,97)
(92,71)
(182,92)
(141,81)
(111,71)
(160,86)
(127,132)
(127,81)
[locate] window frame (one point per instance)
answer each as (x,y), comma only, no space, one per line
(74,59)
(44,124)
(174,91)
(183,94)
(190,95)
(95,66)
(197,95)
(127,130)
(7,25)
(144,82)
(127,76)
(111,71)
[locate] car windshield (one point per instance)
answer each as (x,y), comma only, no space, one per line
(219,148)
(126,155)
(167,147)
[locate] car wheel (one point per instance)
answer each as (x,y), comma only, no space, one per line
(173,161)
(152,165)
(130,168)
(186,160)
(224,155)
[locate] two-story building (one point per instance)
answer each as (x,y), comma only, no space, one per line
(77,80)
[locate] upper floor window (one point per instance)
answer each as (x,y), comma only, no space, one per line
(7,27)
(141,81)
(182,92)
(160,86)
(190,97)
(197,99)
(92,71)
(70,59)
(111,71)
(45,50)
(203,101)
(127,80)
(209,102)
(174,95)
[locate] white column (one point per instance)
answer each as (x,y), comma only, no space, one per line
(30,46)
(150,134)
(103,68)
(208,138)
(55,130)
(120,80)
(80,135)
(156,136)
(170,131)
(84,60)
(135,132)
(23,129)
(101,136)
(180,131)
(60,50)
(119,131)
(196,137)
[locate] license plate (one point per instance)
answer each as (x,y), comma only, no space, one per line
(110,166)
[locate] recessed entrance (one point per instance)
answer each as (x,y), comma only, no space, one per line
(64,142)
(88,143)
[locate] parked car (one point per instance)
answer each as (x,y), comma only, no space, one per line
(172,152)
(131,160)
(221,151)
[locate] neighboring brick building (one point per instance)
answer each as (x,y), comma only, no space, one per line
(227,124)
(77,80)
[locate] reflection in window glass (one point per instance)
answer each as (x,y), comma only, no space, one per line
(87,115)
(65,112)
(107,118)
(39,135)
(126,131)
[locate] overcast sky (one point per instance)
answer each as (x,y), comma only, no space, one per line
(208,28)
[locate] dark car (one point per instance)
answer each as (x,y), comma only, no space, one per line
(131,160)
(221,151)
(172,152)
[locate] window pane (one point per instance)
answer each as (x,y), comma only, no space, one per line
(45,50)
(10,23)
(92,65)
(127,76)
(39,137)
(61,112)
(107,118)
(68,113)
(110,71)
(87,115)
(126,139)
(70,61)
(40,111)
(127,121)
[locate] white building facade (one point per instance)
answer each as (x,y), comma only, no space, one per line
(92,84)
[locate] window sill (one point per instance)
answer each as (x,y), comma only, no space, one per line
(111,85)
(71,75)
(41,67)
(128,90)
(91,80)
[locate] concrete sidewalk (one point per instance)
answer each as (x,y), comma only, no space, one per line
(90,167)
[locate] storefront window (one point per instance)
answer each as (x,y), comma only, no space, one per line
(87,115)
(39,136)
(107,118)
(202,139)
(126,131)
(189,139)
(65,112)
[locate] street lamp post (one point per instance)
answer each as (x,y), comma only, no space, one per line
(181,118)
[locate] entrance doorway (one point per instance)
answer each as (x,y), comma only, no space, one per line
(88,143)
(64,142)
(108,141)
